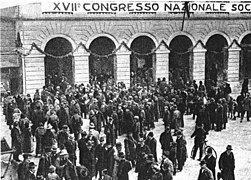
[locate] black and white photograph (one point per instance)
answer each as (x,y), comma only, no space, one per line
(125,90)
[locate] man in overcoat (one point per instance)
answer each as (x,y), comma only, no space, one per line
(227,164)
(140,149)
(166,139)
(100,153)
(124,167)
(16,140)
(246,107)
(205,173)
(210,161)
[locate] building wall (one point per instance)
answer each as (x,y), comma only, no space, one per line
(38,28)
(85,31)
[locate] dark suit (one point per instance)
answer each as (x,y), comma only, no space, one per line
(205,174)
(123,169)
(211,163)
(227,164)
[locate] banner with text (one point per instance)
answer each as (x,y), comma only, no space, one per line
(87,7)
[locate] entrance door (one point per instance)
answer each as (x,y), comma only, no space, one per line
(245,61)
(102,68)
(57,69)
(181,61)
(216,60)
(141,66)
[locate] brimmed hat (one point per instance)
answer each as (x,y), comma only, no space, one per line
(92,125)
(63,152)
(229,147)
(121,155)
(202,162)
(32,165)
(209,150)
(150,157)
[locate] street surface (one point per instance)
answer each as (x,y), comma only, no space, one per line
(236,134)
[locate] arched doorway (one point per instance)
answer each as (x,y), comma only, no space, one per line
(216,60)
(142,62)
(57,69)
(181,61)
(102,68)
(245,61)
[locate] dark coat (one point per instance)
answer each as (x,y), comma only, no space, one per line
(123,169)
(81,147)
(49,138)
(62,138)
(89,161)
(16,140)
(23,169)
(76,123)
(43,165)
(100,153)
(130,148)
(211,163)
(110,133)
(153,147)
(27,146)
(205,174)
(227,164)
(30,176)
(200,136)
(66,168)
(140,151)
(110,160)
(181,150)
(63,115)
(165,140)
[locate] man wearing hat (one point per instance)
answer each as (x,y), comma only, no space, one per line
(49,137)
(16,140)
(77,122)
(31,173)
(64,167)
(124,167)
(152,143)
(39,134)
(140,149)
(166,166)
(130,148)
(44,163)
(23,169)
(110,131)
(63,136)
(166,139)
(71,147)
(210,161)
(100,155)
(205,173)
(227,164)
(200,136)
(181,150)
(89,160)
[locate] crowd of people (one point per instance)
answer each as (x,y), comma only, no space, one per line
(53,120)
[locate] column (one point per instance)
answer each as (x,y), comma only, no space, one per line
(161,65)
(233,68)
(122,66)
(81,67)
(33,72)
(199,62)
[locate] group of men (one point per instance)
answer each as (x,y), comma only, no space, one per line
(56,115)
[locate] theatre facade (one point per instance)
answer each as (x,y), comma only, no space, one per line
(212,46)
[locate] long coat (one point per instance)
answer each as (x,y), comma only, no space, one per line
(211,163)
(89,161)
(227,164)
(16,140)
(139,159)
(181,151)
(130,148)
(167,169)
(100,153)
(152,143)
(23,169)
(110,133)
(43,165)
(123,169)
(27,146)
(165,141)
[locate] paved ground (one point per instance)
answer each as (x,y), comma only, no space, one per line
(237,134)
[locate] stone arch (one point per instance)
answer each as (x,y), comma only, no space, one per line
(217,33)
(92,38)
(143,34)
(243,35)
(73,43)
(179,33)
